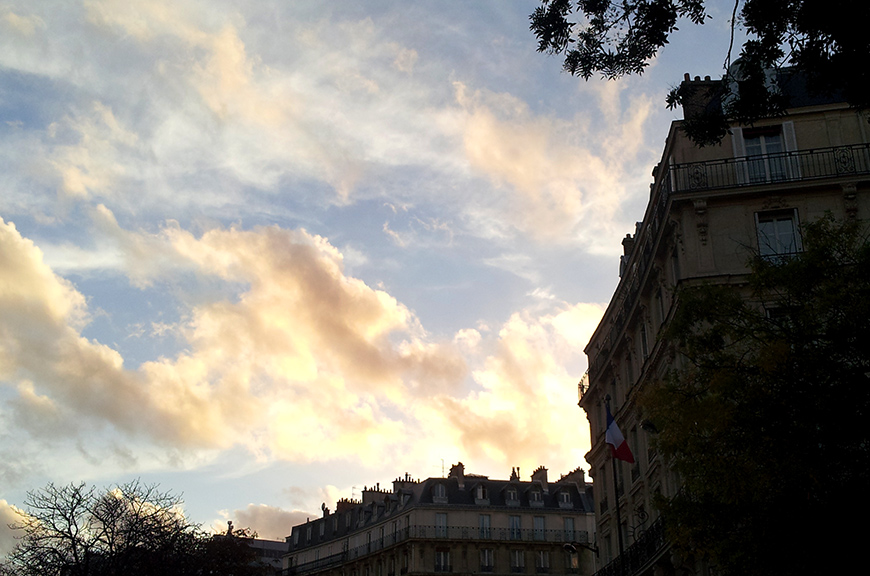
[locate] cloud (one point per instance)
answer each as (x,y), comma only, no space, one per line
(305,363)
(298,361)
(8,515)
(269,522)
(525,410)
(562,179)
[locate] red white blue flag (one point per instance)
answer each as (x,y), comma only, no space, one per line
(613,436)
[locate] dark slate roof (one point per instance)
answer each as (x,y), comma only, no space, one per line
(408,494)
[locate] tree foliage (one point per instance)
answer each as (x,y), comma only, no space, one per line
(822,39)
(131,530)
(766,420)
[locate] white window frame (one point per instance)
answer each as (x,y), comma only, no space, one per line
(790,164)
(765,249)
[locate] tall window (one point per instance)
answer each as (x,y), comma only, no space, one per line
(762,153)
(569,529)
(515,527)
(542,561)
(518,561)
(481,492)
(765,142)
(487,560)
(441,525)
(485,523)
(539,527)
(442,560)
(777,233)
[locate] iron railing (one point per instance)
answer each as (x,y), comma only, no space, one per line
(730,173)
(435,533)
(783,167)
(638,557)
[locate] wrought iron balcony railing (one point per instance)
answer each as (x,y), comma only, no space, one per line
(446,533)
(792,166)
(640,555)
(731,173)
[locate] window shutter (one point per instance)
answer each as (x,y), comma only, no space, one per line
(793,165)
(739,147)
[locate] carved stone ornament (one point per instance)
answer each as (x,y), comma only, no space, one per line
(701,213)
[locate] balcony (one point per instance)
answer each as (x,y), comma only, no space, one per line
(439,533)
(796,166)
(640,556)
(729,174)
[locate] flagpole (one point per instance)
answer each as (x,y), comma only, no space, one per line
(615,489)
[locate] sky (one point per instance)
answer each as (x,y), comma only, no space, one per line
(265,254)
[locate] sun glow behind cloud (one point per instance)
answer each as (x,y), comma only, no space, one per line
(230,232)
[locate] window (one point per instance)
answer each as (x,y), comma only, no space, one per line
(481,493)
(762,153)
(512,494)
(515,527)
(441,525)
(487,560)
(485,523)
(765,142)
(568,523)
(565,497)
(439,493)
(540,525)
(308,534)
(442,560)
(518,561)
(535,496)
(542,561)
(322,528)
(777,233)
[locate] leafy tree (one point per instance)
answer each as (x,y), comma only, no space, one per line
(131,530)
(766,419)
(824,40)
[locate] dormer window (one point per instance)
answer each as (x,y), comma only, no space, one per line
(535,496)
(565,497)
(439,493)
(512,494)
(481,493)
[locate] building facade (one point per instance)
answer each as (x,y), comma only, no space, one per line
(463,524)
(710,210)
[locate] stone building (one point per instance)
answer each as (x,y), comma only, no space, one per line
(464,524)
(709,210)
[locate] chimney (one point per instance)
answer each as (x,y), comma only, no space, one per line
(458,471)
(700,97)
(540,475)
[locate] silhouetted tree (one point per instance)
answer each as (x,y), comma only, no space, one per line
(131,530)
(824,39)
(766,419)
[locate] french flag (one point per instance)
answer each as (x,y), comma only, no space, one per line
(613,436)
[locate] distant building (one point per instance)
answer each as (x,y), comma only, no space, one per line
(710,208)
(464,524)
(269,553)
